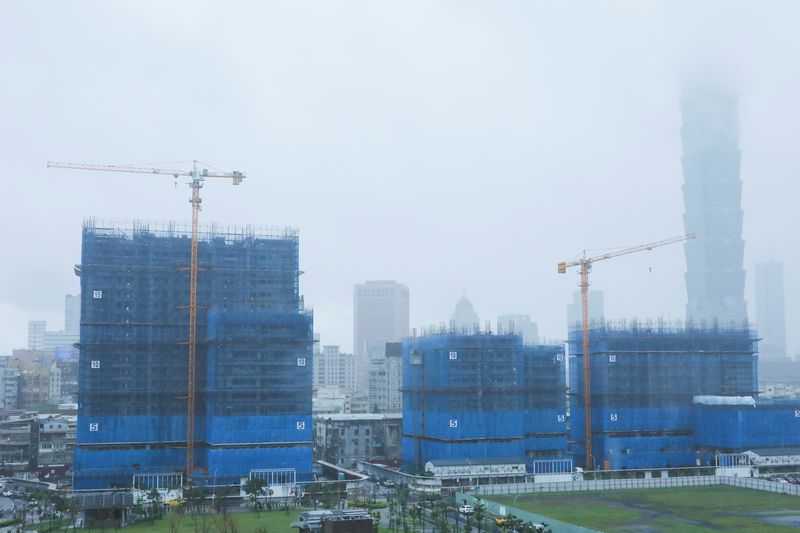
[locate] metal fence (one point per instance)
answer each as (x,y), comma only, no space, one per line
(610,484)
(600,484)
(654,483)
(761,484)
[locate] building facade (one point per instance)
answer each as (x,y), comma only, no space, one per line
(345,439)
(483,396)
(333,368)
(380,315)
(712,195)
(770,309)
(9,385)
(644,379)
(40,338)
(386,379)
(253,358)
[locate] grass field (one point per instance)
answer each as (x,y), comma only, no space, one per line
(246,522)
(679,510)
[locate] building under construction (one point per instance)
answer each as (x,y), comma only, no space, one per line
(644,379)
(254,349)
(474,397)
(732,425)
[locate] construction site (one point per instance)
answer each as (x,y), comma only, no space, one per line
(473,397)
(644,378)
(251,378)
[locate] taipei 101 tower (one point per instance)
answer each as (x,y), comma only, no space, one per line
(712,195)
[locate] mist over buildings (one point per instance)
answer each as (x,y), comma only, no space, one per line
(448,146)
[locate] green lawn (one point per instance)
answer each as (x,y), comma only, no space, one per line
(679,510)
(246,522)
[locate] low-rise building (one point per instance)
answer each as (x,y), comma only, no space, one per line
(54,448)
(31,441)
(335,521)
(345,439)
(18,443)
(477,471)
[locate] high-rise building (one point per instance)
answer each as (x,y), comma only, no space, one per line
(479,397)
(712,195)
(36,333)
(575,309)
(770,309)
(333,368)
(644,379)
(521,324)
(9,384)
(72,314)
(253,359)
(380,315)
(39,338)
(385,380)
(464,317)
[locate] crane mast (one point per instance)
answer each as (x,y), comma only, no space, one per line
(196,183)
(585,264)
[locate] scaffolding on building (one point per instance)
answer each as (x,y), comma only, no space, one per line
(482,396)
(644,379)
(133,364)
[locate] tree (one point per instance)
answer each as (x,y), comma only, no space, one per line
(376,520)
(195,501)
(153,500)
(416,514)
(254,488)
(402,501)
(72,511)
(442,523)
(479,513)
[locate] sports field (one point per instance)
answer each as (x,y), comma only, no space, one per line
(690,509)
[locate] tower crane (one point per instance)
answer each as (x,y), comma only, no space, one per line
(197,178)
(585,264)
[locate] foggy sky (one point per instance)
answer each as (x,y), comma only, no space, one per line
(448,145)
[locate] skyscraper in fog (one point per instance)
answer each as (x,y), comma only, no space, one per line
(72,314)
(520,324)
(712,194)
(380,315)
(464,315)
(770,309)
(575,309)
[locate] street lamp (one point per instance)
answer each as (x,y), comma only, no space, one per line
(214,488)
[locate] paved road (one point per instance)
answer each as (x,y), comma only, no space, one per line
(6,503)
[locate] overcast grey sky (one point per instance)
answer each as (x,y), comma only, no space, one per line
(448,145)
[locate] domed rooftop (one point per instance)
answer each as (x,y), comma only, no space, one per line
(464,315)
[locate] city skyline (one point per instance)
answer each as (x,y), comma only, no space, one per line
(396,156)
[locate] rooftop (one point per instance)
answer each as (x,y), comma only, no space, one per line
(477,462)
(345,417)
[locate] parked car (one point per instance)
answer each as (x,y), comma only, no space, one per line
(8,494)
(466,509)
